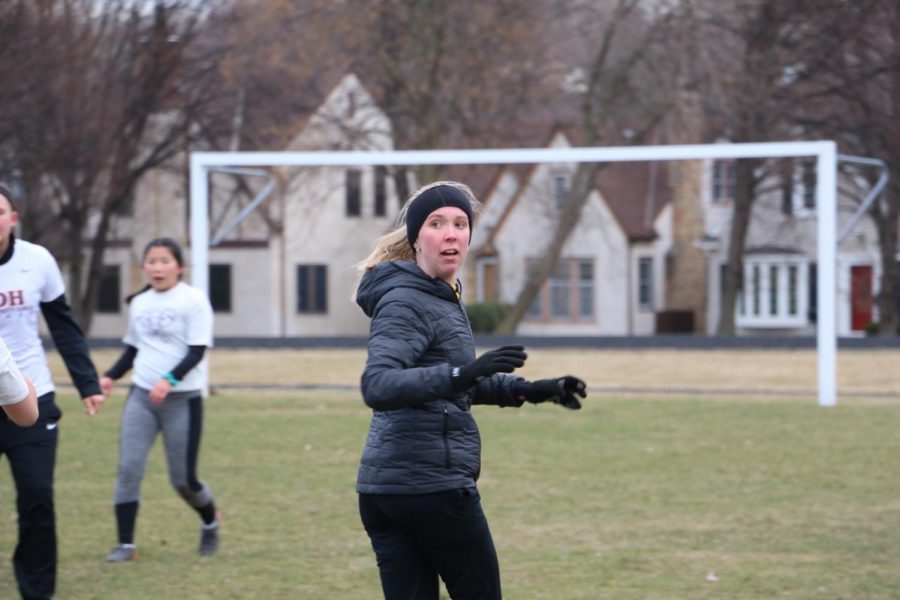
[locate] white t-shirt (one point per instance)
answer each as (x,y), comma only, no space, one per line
(12,387)
(161,325)
(30,277)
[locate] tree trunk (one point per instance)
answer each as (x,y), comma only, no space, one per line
(95,272)
(401,182)
(568,219)
(887,242)
(75,259)
(887,308)
(740,223)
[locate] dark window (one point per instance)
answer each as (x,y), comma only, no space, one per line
(109,296)
(756,285)
(351,104)
(723,277)
(897,291)
(773,290)
(354,192)
(809,185)
(380,191)
(126,206)
(813,292)
(586,289)
(220,287)
(645,283)
(312,293)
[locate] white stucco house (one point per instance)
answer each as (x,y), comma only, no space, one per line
(288,268)
(610,276)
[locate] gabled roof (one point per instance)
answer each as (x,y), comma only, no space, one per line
(635,192)
(348,90)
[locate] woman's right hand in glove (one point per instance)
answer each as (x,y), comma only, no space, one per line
(505,359)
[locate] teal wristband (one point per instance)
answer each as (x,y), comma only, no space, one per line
(170,378)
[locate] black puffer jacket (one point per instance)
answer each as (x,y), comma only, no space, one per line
(423,437)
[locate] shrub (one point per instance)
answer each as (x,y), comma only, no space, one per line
(485,316)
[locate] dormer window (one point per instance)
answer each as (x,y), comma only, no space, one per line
(560,184)
(351,104)
(353,192)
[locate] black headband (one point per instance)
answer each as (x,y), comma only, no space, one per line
(6,193)
(429,201)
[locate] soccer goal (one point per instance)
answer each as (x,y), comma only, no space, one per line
(824,152)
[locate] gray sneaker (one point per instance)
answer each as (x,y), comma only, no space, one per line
(121,553)
(209,540)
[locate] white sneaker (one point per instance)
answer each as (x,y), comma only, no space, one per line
(209,538)
(122,553)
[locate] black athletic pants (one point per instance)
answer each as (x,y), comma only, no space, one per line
(31,452)
(417,538)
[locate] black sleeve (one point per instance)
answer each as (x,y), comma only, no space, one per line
(71,345)
(194,355)
(124,364)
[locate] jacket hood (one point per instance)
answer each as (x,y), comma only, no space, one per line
(387,276)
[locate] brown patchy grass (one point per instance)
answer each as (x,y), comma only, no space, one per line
(871,374)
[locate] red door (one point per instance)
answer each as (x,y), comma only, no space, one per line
(860,297)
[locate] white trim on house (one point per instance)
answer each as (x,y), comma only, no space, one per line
(775,292)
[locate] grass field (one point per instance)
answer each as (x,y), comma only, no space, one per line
(713,494)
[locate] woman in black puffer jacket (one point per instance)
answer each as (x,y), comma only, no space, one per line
(416,484)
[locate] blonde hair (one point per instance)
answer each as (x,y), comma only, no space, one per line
(395,245)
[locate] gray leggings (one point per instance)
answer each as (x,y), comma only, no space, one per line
(180,419)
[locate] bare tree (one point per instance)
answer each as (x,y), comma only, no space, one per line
(449,74)
(117,93)
(623,87)
(854,98)
(759,54)
(282,59)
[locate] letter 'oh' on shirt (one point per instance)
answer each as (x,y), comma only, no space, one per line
(30,277)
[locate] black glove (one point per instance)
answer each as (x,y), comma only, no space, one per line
(561,391)
(502,360)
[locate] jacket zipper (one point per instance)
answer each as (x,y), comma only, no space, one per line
(446,438)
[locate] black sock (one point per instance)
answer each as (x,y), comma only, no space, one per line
(126,516)
(207,513)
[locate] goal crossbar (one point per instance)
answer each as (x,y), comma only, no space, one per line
(824,151)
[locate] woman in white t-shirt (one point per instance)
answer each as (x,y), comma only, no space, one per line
(31,287)
(169,329)
(18,398)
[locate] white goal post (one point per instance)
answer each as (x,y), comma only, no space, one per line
(825,153)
